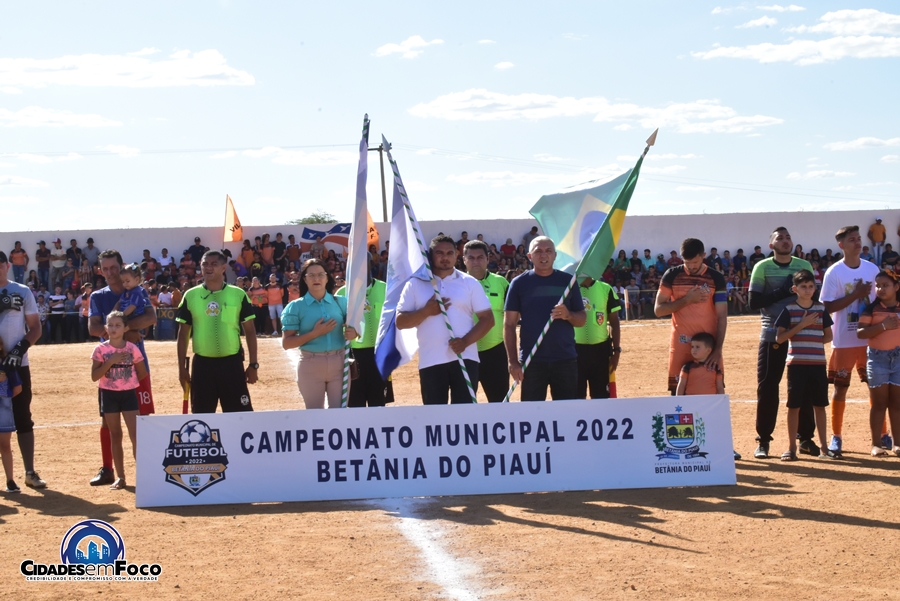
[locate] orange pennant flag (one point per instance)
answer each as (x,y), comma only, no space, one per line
(234,232)
(373,232)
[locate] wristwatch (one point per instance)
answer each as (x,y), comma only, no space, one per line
(254,365)
(618,349)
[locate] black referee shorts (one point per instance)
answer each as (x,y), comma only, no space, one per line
(215,379)
(493,373)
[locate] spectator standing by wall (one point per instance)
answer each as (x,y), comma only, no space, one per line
(877,235)
(90,253)
(19,260)
(57,262)
(42,256)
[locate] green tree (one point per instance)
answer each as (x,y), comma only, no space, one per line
(317,216)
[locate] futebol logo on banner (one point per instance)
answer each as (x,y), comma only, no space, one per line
(195,458)
(434,450)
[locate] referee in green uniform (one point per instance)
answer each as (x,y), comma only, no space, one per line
(597,341)
(493,371)
(369,389)
(211,315)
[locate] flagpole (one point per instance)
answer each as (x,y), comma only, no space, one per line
(573,282)
(437,293)
(363,152)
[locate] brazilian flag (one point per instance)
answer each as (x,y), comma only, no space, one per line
(585,222)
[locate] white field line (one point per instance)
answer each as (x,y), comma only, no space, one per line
(452,574)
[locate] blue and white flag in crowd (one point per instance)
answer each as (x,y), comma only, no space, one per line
(357,260)
(335,238)
(394,347)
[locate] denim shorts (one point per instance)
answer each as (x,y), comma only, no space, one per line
(883,367)
(7,423)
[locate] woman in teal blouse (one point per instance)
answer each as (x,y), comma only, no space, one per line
(315,323)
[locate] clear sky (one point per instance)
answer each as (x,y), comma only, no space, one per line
(138,114)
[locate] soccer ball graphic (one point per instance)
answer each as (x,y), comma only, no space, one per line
(195,431)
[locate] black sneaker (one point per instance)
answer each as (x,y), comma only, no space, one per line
(762,451)
(104,476)
(12,487)
(808,447)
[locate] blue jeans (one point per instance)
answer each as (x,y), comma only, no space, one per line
(19,273)
(44,276)
(883,367)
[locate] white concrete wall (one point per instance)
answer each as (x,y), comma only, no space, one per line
(659,233)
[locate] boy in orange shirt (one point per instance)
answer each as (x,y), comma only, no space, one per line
(695,378)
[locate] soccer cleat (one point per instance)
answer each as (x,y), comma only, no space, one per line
(886,441)
(104,476)
(835,444)
(808,447)
(12,487)
(762,451)
(736,455)
(34,481)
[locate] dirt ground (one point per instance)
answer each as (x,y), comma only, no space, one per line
(810,529)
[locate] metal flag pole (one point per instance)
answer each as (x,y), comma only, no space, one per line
(437,293)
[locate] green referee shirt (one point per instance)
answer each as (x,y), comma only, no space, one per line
(215,319)
(600,301)
(495,288)
(371,316)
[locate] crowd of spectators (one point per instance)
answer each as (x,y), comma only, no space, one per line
(62,279)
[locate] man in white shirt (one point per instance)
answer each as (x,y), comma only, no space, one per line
(165,260)
(57,262)
(463,298)
(846,289)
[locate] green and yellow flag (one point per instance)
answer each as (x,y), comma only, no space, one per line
(585,222)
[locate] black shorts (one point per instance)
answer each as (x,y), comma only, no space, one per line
(215,379)
(117,401)
(807,386)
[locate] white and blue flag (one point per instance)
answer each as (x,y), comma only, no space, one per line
(394,347)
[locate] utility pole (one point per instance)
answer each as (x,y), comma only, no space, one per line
(380,149)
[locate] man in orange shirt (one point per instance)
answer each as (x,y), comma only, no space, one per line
(19,259)
(697,299)
(877,234)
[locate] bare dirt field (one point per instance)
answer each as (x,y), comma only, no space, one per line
(811,529)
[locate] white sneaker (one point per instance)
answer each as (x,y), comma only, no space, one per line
(34,481)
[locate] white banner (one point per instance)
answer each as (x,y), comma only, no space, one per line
(435,450)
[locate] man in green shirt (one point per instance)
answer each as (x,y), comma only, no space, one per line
(771,290)
(493,372)
(211,316)
(597,341)
(369,389)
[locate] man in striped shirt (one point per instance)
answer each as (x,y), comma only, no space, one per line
(808,327)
